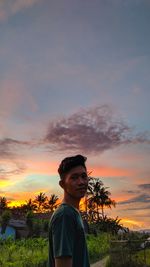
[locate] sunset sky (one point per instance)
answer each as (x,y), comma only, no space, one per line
(75,78)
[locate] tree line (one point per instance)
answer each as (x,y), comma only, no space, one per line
(96,199)
(92,208)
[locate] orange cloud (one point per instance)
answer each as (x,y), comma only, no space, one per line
(42,167)
(106,171)
(132,224)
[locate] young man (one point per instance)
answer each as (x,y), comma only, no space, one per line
(67,243)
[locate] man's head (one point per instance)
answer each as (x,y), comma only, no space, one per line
(70,162)
(73,176)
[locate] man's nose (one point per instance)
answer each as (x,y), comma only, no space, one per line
(81,180)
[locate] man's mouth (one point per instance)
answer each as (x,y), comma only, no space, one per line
(82,189)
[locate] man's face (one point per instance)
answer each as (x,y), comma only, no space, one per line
(75,182)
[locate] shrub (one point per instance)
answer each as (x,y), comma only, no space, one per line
(98,246)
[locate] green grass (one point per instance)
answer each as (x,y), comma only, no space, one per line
(140,256)
(98,246)
(127,258)
(33,252)
(24,253)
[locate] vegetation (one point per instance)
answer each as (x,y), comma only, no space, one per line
(4,220)
(139,256)
(3,203)
(98,246)
(33,252)
(52,203)
(24,253)
(129,252)
(98,198)
(107,225)
(40,200)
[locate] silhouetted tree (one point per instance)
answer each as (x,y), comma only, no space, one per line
(98,197)
(29,206)
(29,222)
(40,200)
(5,218)
(51,203)
(3,204)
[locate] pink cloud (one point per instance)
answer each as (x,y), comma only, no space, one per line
(21,4)
(9,8)
(13,95)
(2,15)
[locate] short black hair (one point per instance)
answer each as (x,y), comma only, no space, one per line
(70,162)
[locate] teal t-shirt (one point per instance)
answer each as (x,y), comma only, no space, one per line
(67,237)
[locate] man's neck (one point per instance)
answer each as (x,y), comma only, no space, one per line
(71,201)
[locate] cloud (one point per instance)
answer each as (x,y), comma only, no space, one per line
(131,191)
(140,208)
(143,198)
(91,130)
(36,183)
(144,186)
(9,8)
(21,4)
(9,147)
(7,170)
(14,97)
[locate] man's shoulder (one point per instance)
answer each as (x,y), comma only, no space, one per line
(64,210)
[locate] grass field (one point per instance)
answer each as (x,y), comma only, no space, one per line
(98,246)
(33,252)
(24,253)
(124,257)
(141,255)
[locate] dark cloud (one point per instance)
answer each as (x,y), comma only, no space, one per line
(9,147)
(142,198)
(93,130)
(10,150)
(131,191)
(140,208)
(144,186)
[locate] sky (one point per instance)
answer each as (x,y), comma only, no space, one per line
(74,79)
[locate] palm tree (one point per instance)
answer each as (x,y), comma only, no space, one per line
(52,203)
(99,195)
(40,200)
(94,187)
(3,204)
(105,200)
(28,206)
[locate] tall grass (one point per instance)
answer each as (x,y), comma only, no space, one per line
(23,253)
(98,246)
(33,252)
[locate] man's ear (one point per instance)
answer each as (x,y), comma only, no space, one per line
(61,183)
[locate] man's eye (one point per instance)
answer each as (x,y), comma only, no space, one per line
(74,177)
(84,175)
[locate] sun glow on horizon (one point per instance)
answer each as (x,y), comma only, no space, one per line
(16,203)
(132,224)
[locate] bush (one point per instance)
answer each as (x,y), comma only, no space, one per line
(98,246)
(5,217)
(127,253)
(33,252)
(30,252)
